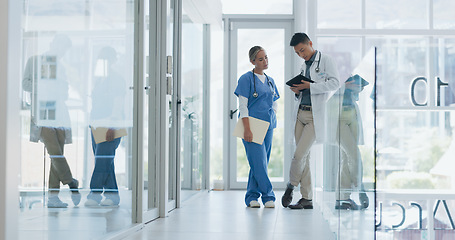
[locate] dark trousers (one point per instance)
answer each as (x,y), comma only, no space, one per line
(103,178)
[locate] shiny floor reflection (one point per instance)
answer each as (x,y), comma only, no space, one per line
(349,224)
(223,215)
(74,222)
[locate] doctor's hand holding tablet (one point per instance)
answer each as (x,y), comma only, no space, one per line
(298,83)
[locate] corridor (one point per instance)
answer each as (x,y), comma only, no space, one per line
(222,215)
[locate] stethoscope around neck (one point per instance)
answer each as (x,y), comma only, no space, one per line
(255,93)
(317,69)
(319,61)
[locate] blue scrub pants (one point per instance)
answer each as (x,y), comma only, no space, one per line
(103,177)
(258,179)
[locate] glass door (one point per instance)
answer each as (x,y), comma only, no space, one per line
(273,36)
(192,95)
(156,112)
(165,122)
(77,124)
(172,122)
(147,35)
(346,192)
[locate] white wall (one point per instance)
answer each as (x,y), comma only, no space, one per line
(9,116)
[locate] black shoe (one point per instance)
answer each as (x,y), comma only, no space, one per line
(364,201)
(302,204)
(74,185)
(75,195)
(286,199)
(347,205)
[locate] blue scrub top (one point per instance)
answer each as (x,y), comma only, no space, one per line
(260,107)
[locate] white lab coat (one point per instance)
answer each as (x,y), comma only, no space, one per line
(326,83)
(49,90)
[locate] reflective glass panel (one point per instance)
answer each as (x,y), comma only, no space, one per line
(170,103)
(76,118)
(443,17)
(396,14)
(399,69)
(344,180)
(191,108)
(257,7)
(414,150)
(339,14)
(216,111)
(445,75)
(149,196)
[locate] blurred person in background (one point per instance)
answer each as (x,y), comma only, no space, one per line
(46,81)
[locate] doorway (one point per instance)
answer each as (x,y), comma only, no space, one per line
(273,35)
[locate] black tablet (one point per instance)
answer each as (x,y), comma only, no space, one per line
(298,80)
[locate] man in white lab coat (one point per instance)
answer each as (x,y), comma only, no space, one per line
(311,123)
(46,82)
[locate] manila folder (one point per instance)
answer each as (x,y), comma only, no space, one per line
(99,133)
(258,128)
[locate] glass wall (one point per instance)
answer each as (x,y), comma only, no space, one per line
(443,19)
(257,7)
(389,14)
(410,131)
(192,78)
(216,109)
(76,118)
(201,98)
(344,179)
(415,138)
(351,8)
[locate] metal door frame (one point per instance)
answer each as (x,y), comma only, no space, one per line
(232,24)
(160,139)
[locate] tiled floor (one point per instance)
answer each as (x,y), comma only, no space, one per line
(203,215)
(223,215)
(75,222)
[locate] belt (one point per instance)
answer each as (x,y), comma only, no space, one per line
(347,108)
(305,108)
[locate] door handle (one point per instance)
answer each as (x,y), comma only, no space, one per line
(232,113)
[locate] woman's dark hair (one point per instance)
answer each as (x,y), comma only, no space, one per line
(299,38)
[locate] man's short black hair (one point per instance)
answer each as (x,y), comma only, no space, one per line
(299,38)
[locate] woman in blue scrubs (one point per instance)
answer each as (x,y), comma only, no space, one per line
(257,94)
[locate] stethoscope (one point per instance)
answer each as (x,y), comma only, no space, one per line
(319,61)
(255,93)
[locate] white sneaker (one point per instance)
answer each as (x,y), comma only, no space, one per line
(108,203)
(55,202)
(254,204)
(269,204)
(91,203)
